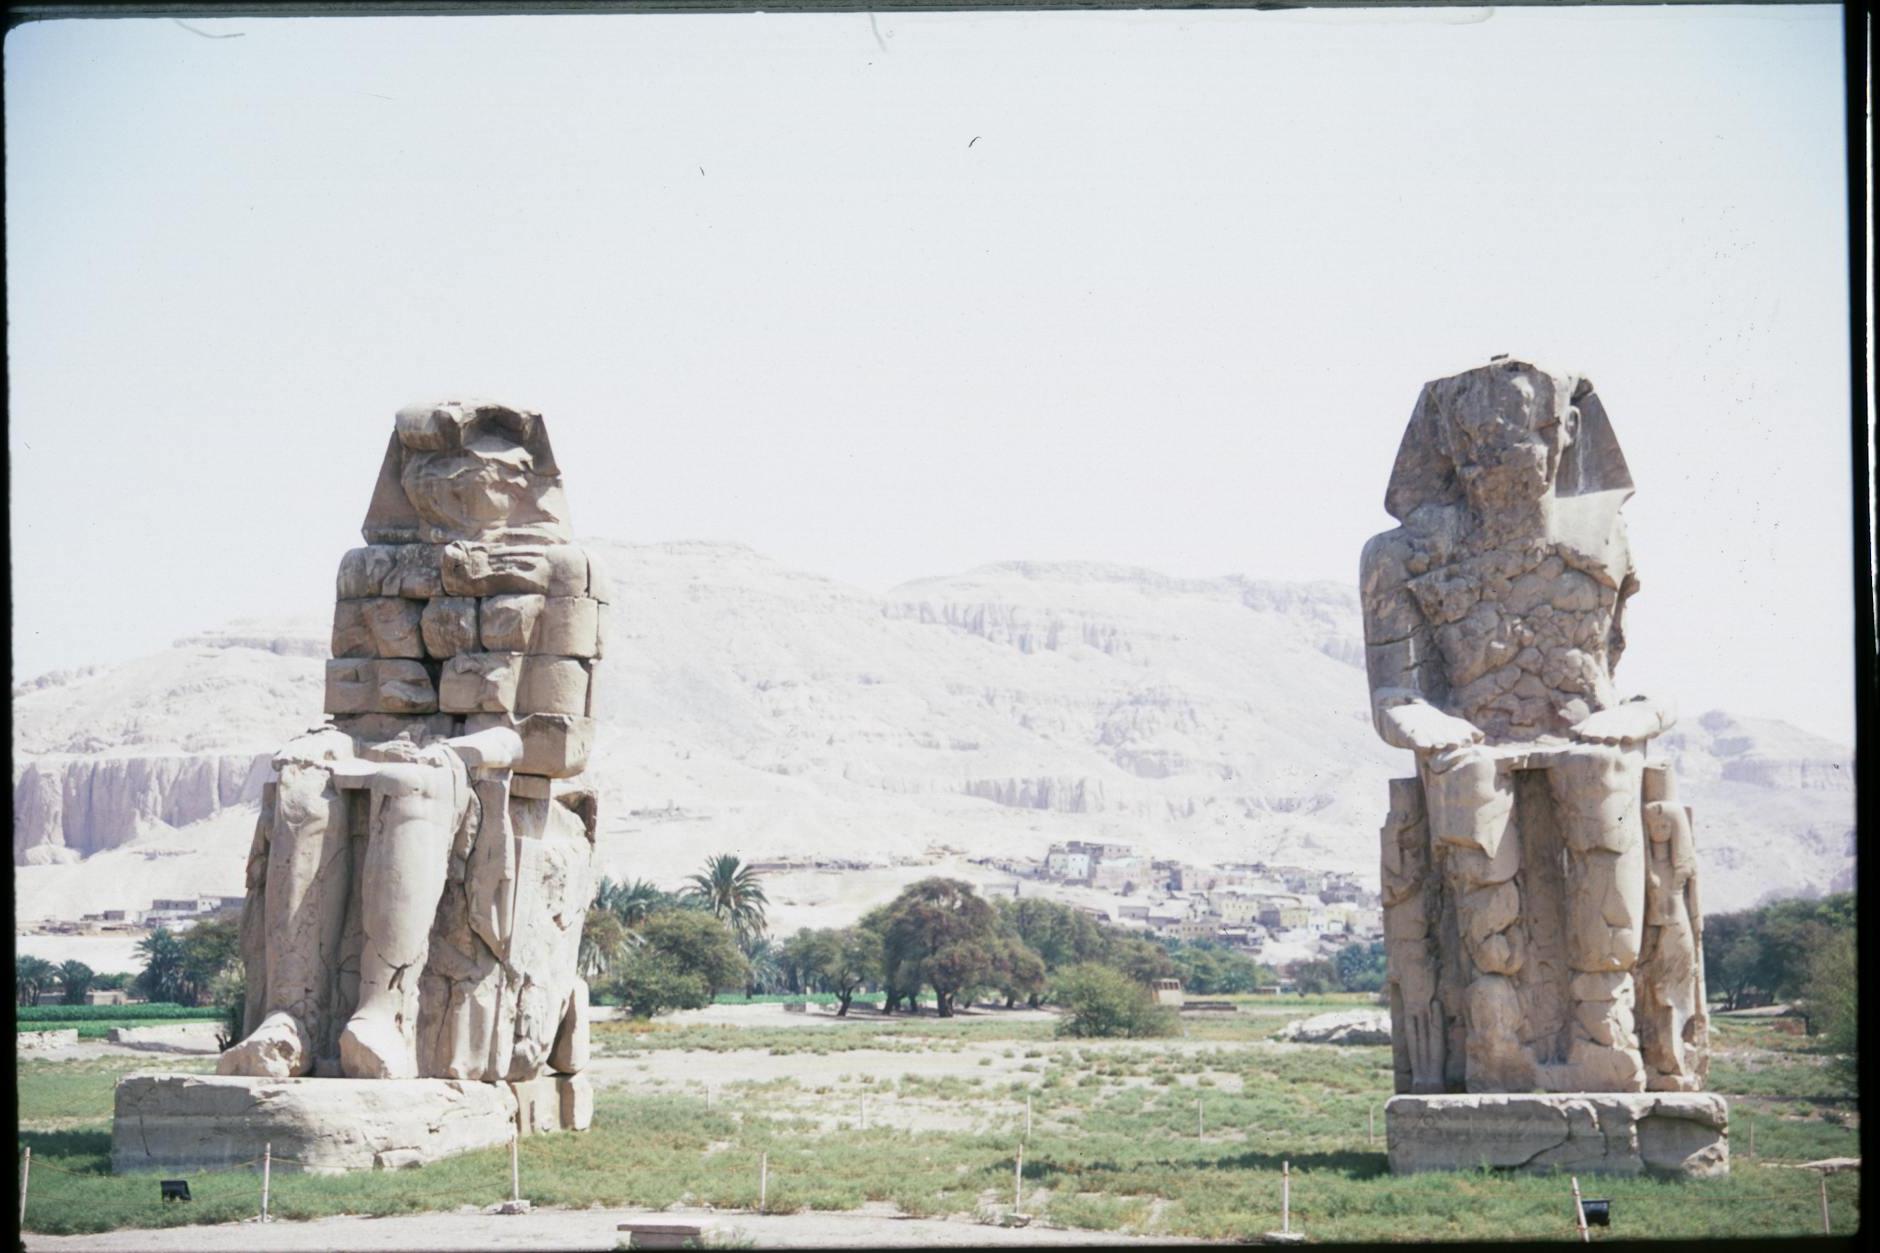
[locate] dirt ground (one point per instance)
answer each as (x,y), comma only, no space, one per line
(874,1226)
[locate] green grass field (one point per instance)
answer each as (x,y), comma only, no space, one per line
(1114,1143)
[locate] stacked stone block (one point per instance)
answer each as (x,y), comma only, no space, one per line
(460,637)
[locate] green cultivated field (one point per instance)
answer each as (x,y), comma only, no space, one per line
(1114,1143)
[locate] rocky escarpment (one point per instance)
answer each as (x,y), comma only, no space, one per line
(68,807)
(1761,752)
(105,755)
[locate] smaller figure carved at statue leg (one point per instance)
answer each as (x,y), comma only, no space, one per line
(416,809)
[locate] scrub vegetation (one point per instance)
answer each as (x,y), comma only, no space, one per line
(1182,1135)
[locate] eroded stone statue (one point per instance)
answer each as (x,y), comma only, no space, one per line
(1539,881)
(423,862)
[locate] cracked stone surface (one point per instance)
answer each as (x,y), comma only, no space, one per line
(173,1122)
(1539,875)
(1669,1135)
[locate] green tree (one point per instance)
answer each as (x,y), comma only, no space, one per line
(1361,967)
(1142,960)
(684,959)
(941,933)
(633,903)
(604,941)
(210,948)
(1060,935)
(32,976)
(1310,978)
(843,962)
(1832,1000)
(115,980)
(77,978)
(1100,1001)
(164,976)
(1735,967)
(729,889)
(766,966)
(1017,973)
(1213,970)
(801,958)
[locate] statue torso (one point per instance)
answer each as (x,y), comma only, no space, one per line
(1527,630)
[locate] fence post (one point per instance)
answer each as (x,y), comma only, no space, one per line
(1018,1181)
(1579,1212)
(1825,1229)
(26,1170)
(1370,1116)
(267,1176)
(1285,1196)
(763,1182)
(515,1163)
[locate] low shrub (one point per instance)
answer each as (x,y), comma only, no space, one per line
(1100,1001)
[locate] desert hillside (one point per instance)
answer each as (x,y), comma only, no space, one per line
(759,710)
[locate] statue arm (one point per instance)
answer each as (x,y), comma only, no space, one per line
(1639,718)
(1400,656)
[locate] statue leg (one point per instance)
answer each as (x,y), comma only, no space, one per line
(299,875)
(1596,792)
(1470,800)
(415,817)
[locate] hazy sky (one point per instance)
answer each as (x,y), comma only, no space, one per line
(899,297)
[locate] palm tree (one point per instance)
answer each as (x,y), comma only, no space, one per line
(31,977)
(728,888)
(604,940)
(632,903)
(77,978)
(164,977)
(766,966)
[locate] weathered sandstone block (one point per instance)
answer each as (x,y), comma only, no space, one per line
(552,685)
(480,683)
(569,627)
(1672,1135)
(450,625)
(508,622)
(321,1126)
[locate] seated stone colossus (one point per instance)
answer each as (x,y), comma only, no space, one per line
(1541,911)
(423,861)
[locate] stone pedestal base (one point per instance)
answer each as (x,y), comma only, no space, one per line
(328,1126)
(1669,1134)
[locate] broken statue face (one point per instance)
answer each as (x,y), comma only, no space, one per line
(467,489)
(469,470)
(1506,429)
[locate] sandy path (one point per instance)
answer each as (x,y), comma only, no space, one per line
(589,1229)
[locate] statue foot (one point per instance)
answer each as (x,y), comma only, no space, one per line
(374,1048)
(279,1048)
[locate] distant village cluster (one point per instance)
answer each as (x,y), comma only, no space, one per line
(1269,912)
(163,912)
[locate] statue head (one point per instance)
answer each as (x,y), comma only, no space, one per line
(1506,435)
(468,470)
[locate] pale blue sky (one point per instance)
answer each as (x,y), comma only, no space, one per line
(896,299)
